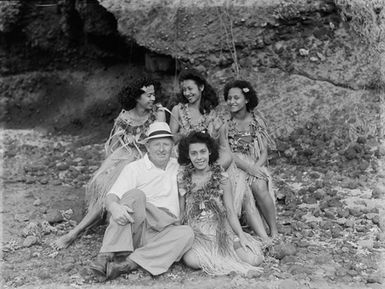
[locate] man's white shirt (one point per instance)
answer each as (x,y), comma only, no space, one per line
(159,186)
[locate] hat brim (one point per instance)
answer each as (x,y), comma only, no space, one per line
(156,136)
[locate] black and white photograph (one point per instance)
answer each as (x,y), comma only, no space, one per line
(214,144)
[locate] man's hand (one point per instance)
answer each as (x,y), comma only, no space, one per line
(121,214)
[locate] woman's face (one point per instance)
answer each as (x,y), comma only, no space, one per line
(199,155)
(191,90)
(236,100)
(147,98)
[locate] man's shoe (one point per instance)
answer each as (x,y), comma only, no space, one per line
(100,263)
(115,269)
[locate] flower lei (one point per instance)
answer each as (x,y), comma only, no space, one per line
(257,130)
(206,199)
(187,120)
(127,128)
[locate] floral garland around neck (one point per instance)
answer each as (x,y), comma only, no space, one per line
(257,130)
(187,125)
(136,130)
(206,200)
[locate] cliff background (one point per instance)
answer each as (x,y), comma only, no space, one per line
(318,66)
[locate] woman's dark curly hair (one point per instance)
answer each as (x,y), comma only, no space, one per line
(130,93)
(197,137)
(209,99)
(243,85)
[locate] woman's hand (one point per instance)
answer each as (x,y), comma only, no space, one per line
(121,214)
(256,171)
(244,242)
(217,123)
(130,139)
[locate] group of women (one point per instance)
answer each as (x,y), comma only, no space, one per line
(223,176)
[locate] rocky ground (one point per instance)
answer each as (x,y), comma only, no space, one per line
(334,219)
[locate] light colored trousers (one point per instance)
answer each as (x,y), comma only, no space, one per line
(155,238)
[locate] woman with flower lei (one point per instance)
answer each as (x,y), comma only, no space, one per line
(196,112)
(122,147)
(220,246)
(249,141)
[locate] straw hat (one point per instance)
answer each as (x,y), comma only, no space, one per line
(158,129)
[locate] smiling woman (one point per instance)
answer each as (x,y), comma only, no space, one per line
(123,146)
(220,245)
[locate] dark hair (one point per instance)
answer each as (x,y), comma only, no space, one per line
(250,95)
(130,93)
(197,137)
(209,96)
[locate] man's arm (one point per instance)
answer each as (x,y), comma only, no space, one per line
(125,182)
(120,213)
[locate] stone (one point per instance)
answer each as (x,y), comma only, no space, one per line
(375,278)
(356,212)
(379,191)
(343,213)
(29,241)
(62,166)
(21,217)
(37,202)
(367,244)
(288,284)
(54,216)
(43,181)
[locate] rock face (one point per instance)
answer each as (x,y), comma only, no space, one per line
(310,69)
(319,83)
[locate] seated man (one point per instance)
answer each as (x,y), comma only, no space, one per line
(143,203)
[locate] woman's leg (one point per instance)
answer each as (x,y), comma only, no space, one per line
(266,204)
(191,260)
(253,217)
(93,216)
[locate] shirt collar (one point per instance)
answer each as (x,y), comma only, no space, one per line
(149,164)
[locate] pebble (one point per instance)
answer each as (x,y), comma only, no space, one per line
(43,181)
(29,241)
(288,284)
(62,166)
(374,278)
(356,212)
(349,223)
(29,180)
(343,213)
(381,222)
(21,217)
(54,216)
(378,192)
(367,244)
(37,202)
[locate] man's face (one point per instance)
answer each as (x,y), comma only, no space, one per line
(159,150)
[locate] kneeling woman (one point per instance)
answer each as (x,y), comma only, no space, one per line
(220,245)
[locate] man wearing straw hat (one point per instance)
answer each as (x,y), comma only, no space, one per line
(144,229)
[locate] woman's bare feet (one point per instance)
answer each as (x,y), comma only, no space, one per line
(64,241)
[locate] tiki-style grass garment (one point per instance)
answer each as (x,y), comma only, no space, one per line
(187,125)
(119,152)
(206,214)
(248,146)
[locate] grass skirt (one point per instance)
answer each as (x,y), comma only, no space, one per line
(241,183)
(110,169)
(212,259)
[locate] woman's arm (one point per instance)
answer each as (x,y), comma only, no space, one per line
(253,170)
(181,206)
(174,123)
(160,114)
